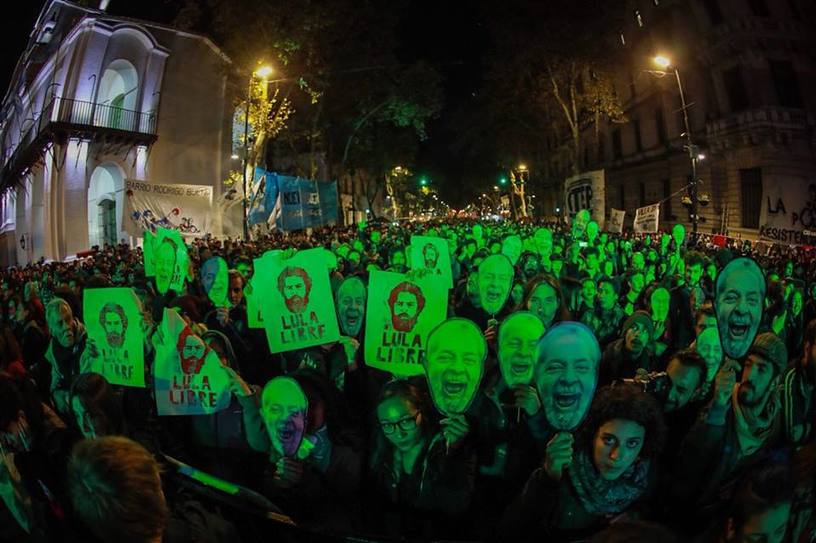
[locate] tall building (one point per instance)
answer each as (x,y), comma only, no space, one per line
(96,100)
(747,72)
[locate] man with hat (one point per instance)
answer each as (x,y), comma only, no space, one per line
(737,428)
(632,352)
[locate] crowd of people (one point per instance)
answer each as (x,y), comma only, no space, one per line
(680,442)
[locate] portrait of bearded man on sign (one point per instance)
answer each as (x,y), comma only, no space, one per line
(294,284)
(114,322)
(192,351)
(430,256)
(406,302)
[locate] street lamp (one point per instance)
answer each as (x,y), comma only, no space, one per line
(666,66)
(262,73)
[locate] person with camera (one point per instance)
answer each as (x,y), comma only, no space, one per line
(737,429)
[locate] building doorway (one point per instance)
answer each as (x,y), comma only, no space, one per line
(105,201)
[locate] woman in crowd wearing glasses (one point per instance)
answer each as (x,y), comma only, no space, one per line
(420,481)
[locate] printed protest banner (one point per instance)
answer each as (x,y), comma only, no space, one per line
(646,219)
(149,206)
(113,319)
(263,197)
(296,301)
(586,191)
(148,253)
(788,210)
(188,376)
(432,254)
(615,222)
(400,312)
(170,260)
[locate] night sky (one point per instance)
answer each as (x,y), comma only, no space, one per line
(441,33)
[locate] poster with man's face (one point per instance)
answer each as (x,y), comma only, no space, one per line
(543,241)
(432,254)
(579,224)
(679,234)
(566,373)
(147,253)
(495,281)
(351,302)
(215,280)
(454,364)
(739,300)
(113,319)
(189,378)
(511,248)
(296,301)
(401,311)
(170,260)
(518,338)
(284,408)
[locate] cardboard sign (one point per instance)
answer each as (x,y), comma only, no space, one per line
(113,320)
(400,313)
(215,280)
(170,261)
(454,364)
(646,219)
(615,222)
(296,301)
(432,254)
(739,301)
(284,408)
(566,373)
(586,191)
(148,247)
(188,376)
(495,281)
(518,339)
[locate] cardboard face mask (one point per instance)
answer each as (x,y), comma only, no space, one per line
(170,261)
(351,302)
(566,373)
(579,224)
(679,234)
(454,364)
(215,280)
(518,338)
(592,231)
(660,304)
(739,300)
(284,408)
(495,281)
(708,346)
(511,248)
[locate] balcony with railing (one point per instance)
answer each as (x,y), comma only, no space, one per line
(64,118)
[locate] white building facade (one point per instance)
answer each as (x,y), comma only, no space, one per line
(95,100)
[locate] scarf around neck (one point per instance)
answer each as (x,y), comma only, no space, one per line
(601,497)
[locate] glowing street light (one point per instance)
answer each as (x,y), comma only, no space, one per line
(662,61)
(262,72)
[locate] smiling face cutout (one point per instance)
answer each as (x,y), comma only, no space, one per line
(284,408)
(518,337)
(738,302)
(567,373)
(351,302)
(215,280)
(495,282)
(454,364)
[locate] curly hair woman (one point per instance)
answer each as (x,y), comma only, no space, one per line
(606,469)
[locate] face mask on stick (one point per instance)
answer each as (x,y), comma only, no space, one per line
(739,300)
(518,338)
(215,280)
(495,282)
(454,364)
(284,408)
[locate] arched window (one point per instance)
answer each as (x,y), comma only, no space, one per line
(117,96)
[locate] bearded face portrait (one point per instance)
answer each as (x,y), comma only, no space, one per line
(518,337)
(351,301)
(405,303)
(567,373)
(454,363)
(192,352)
(430,256)
(294,284)
(114,323)
(166,256)
(739,300)
(495,281)
(284,408)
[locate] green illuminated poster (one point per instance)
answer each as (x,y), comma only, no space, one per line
(432,254)
(254,317)
(215,280)
(147,250)
(454,364)
(188,376)
(284,408)
(171,264)
(518,338)
(401,311)
(113,320)
(296,301)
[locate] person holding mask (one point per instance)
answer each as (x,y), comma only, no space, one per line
(605,470)
(624,356)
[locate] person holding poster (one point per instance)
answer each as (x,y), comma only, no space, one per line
(114,322)
(401,312)
(189,378)
(605,470)
(297,308)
